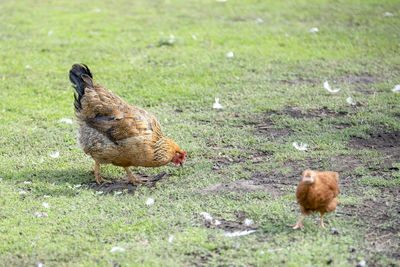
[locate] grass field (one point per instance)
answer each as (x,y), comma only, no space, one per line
(240,163)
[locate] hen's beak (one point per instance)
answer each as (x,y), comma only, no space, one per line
(180,163)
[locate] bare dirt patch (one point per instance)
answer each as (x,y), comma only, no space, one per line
(124,186)
(277,183)
(298,113)
(362,82)
(381,219)
(385,142)
(269,130)
(230,225)
(360,79)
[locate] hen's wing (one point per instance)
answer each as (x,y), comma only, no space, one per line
(107,113)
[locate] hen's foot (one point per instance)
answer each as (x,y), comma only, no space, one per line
(97,174)
(134,180)
(100,179)
(298,225)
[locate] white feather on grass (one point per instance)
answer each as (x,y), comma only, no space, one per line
(248,222)
(206,216)
(41,214)
(149,202)
(65,120)
(396,89)
(117,249)
(350,101)
(301,147)
(328,87)
(217,105)
(313,30)
(55,155)
(239,233)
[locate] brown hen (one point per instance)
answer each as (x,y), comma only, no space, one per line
(112,131)
(317,192)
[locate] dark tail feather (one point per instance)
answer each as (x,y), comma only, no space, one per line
(81,77)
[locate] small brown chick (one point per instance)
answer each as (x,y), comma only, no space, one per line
(317,192)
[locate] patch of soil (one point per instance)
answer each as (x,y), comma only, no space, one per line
(275,183)
(381,218)
(268,130)
(387,143)
(228,225)
(298,113)
(199,258)
(125,186)
(361,81)
(299,80)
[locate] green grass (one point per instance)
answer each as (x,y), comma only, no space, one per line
(276,64)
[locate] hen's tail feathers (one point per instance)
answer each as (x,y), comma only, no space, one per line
(81,78)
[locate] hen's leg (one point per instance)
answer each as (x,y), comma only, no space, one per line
(322,220)
(97,174)
(132,178)
(299,224)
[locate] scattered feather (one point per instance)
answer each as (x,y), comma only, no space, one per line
(388,14)
(396,89)
(229,54)
(217,105)
(27,182)
(221,1)
(313,30)
(350,101)
(55,155)
(361,263)
(41,214)
(117,249)
(22,192)
(239,233)
(149,202)
(46,205)
(77,185)
(217,222)
(259,20)
(167,41)
(301,147)
(50,33)
(46,196)
(65,120)
(99,192)
(39,264)
(116,193)
(96,10)
(328,87)
(3,110)
(28,67)
(248,222)
(171,238)
(194,37)
(206,216)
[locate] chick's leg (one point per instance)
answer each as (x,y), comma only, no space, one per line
(322,220)
(299,224)
(132,178)
(97,174)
